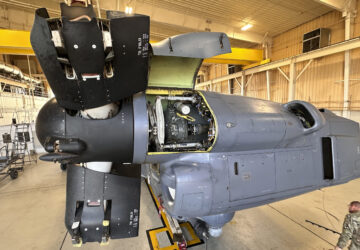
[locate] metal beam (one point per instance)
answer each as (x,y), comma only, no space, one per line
(14,51)
(249,80)
(292,82)
(98,8)
(303,70)
(226,61)
(268,84)
(238,82)
(257,64)
(15,42)
(347,61)
(252,55)
(238,56)
(283,73)
(14,83)
(229,82)
(242,84)
(329,50)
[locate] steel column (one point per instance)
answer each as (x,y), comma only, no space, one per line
(268,84)
(347,68)
(98,8)
(242,84)
(292,82)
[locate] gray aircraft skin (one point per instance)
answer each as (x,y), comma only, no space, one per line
(205,154)
(262,154)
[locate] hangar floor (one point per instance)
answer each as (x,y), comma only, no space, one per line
(32,217)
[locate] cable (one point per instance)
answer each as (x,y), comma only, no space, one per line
(326,213)
(300,225)
(63,240)
(336,218)
(320,226)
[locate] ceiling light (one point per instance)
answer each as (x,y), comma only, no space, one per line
(246,27)
(128,10)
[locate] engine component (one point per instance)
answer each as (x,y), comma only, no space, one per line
(184,109)
(185,128)
(78,138)
(182,123)
(160,122)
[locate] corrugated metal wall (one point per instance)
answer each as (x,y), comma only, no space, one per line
(290,43)
(322,82)
(217,70)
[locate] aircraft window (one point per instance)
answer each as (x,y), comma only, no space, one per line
(303,114)
(236,170)
(327,158)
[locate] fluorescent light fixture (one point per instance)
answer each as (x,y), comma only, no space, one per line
(246,27)
(128,10)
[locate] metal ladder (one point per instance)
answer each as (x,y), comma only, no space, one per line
(23,136)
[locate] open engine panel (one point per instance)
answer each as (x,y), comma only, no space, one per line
(179,122)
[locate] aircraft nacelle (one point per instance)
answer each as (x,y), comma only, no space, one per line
(245,152)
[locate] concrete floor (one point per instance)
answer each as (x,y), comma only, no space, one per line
(32,217)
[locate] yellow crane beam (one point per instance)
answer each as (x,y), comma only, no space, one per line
(241,56)
(15,42)
(226,61)
(256,64)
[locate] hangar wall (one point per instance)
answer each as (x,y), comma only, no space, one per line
(25,106)
(16,99)
(18,17)
(322,83)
